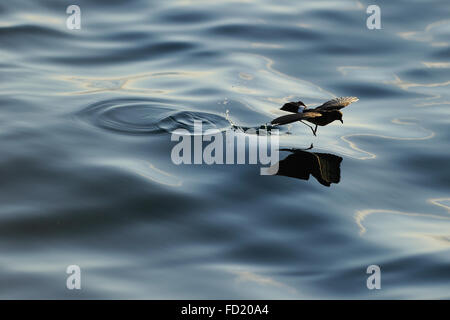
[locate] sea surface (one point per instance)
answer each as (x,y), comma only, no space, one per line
(87,177)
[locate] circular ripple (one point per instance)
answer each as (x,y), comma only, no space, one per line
(135,116)
(186,120)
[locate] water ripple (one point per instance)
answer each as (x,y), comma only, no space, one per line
(140,116)
(361,215)
(369,155)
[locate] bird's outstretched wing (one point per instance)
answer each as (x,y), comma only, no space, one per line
(290,107)
(289,118)
(337,103)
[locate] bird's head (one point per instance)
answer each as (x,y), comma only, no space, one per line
(340,117)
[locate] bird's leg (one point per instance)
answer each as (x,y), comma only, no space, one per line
(289,126)
(314,133)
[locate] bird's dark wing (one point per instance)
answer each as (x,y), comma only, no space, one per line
(289,118)
(337,103)
(290,106)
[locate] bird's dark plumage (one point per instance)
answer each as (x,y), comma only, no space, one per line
(326,117)
(289,118)
(320,116)
(293,106)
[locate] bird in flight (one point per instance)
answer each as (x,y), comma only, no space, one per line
(319,116)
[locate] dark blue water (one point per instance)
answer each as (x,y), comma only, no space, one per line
(87,177)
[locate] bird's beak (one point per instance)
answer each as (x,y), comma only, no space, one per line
(342,121)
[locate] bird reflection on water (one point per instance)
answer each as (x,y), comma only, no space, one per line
(300,164)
